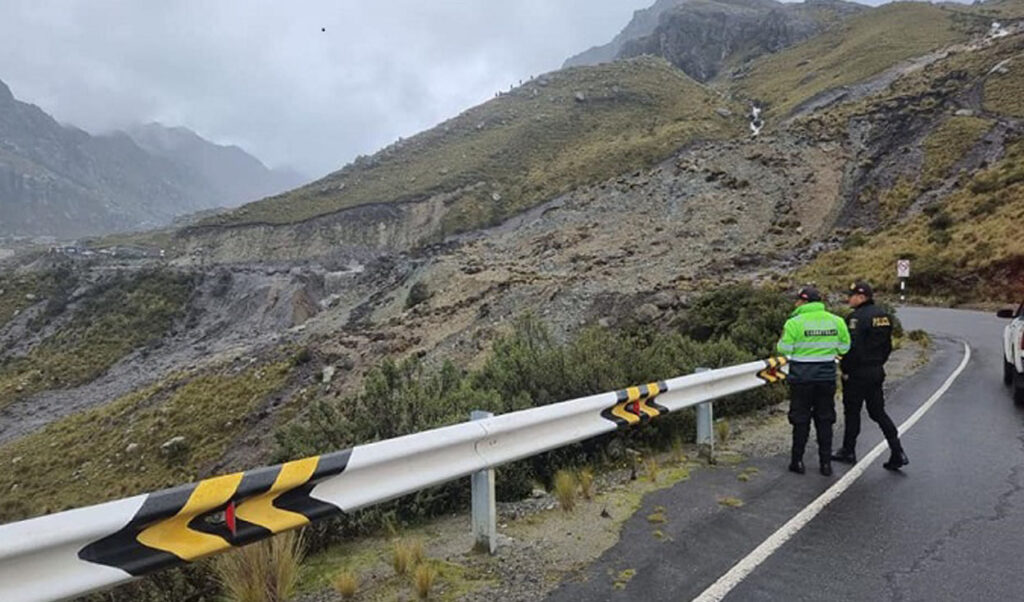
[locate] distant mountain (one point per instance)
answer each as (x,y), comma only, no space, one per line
(234,175)
(60,181)
(702,37)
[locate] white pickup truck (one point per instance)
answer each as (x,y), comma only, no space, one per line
(1013,351)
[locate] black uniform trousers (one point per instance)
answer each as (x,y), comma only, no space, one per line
(859,391)
(812,402)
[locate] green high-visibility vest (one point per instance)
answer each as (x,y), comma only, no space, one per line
(814,336)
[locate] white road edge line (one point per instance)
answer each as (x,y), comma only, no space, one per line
(719,589)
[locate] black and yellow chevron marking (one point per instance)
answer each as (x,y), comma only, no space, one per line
(772,372)
(636,405)
(183,524)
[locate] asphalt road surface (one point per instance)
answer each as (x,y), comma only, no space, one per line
(949,527)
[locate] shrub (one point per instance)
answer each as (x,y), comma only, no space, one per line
(346,583)
(565,489)
(750,317)
(941,221)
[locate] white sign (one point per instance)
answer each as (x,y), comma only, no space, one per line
(903,268)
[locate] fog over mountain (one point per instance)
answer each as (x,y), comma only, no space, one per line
(307,85)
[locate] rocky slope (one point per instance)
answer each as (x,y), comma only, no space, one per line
(60,181)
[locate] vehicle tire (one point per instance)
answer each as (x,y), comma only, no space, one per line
(1007,373)
(1018,391)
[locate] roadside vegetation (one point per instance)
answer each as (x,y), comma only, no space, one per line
(528,368)
(543,138)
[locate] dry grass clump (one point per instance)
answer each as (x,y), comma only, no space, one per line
(722,430)
(678,453)
(346,583)
(423,580)
(651,468)
(586,479)
(267,571)
(406,554)
(565,489)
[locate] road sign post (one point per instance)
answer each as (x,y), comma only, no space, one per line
(903,272)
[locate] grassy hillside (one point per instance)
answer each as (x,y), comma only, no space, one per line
(114,319)
(122,453)
(544,138)
(1004,92)
(969,247)
(858,48)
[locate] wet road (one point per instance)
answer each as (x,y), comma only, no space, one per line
(950,527)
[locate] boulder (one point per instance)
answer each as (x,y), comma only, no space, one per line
(646,313)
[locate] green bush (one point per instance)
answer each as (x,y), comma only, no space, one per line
(750,317)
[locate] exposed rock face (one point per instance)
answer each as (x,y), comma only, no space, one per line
(642,24)
(701,36)
(61,181)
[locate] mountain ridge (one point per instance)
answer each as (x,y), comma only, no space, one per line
(58,180)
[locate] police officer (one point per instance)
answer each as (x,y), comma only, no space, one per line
(812,338)
(863,375)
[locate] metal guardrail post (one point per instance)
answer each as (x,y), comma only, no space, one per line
(705,428)
(485,515)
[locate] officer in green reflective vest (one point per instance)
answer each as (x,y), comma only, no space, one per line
(812,339)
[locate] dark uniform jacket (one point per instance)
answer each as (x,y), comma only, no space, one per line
(870,342)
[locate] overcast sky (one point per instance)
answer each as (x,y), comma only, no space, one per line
(262,74)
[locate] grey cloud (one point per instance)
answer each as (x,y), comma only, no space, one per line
(262,74)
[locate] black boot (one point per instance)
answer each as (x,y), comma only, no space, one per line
(844,457)
(797,466)
(826,469)
(897,460)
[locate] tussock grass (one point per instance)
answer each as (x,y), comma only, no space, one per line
(651,468)
(267,571)
(678,451)
(525,146)
(723,430)
(731,502)
(423,580)
(565,489)
(586,480)
(346,583)
(405,556)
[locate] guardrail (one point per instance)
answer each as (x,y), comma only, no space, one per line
(75,552)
